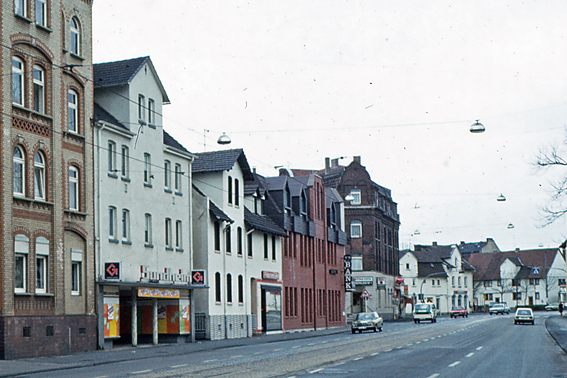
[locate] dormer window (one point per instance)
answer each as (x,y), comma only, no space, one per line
(303,205)
(287,200)
(356,194)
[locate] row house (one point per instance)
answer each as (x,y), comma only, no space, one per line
(238,247)
(518,278)
(47,301)
(436,274)
(313,252)
(372,225)
(143,218)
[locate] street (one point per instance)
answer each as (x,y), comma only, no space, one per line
(477,346)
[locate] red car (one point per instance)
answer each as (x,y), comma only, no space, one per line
(459,311)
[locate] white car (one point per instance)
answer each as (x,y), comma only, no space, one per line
(524,315)
(499,308)
(424,311)
(366,320)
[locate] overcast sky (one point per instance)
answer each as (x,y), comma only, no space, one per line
(396,82)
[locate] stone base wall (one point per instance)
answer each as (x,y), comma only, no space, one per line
(230,326)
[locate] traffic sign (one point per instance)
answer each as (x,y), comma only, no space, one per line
(365,294)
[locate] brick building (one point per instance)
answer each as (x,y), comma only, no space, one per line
(47,304)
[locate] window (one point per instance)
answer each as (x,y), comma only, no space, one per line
(167,174)
(465,283)
(17,80)
(38,89)
(217,236)
(73,188)
(561,281)
(147,168)
(217,287)
(178,175)
(407,266)
(265,246)
(239,241)
(517,296)
(228,240)
(125,162)
(75,37)
(19,171)
(240,289)
(453,281)
(41,274)
(287,200)
(125,225)
(75,278)
(112,223)
(249,242)
(459,281)
(357,262)
(73,110)
(20,7)
(41,12)
(229,288)
(536,295)
(148,229)
(178,235)
(236,192)
(141,107)
(151,110)
(112,157)
(536,281)
(39,176)
(356,195)
(21,251)
(168,231)
(230,190)
(273,248)
(356,229)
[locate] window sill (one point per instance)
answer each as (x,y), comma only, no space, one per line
(115,241)
(126,242)
(44,28)
(112,175)
(142,122)
(44,295)
(148,185)
(73,134)
(151,126)
(76,212)
(22,294)
(76,56)
(75,294)
(179,250)
(179,194)
(168,191)
(148,245)
(23,18)
(239,255)
(125,179)
(168,249)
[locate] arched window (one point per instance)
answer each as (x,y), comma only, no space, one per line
(230,190)
(239,241)
(17,81)
(38,89)
(229,288)
(39,175)
(75,37)
(19,171)
(240,289)
(217,287)
(228,240)
(73,111)
(21,251)
(217,236)
(73,188)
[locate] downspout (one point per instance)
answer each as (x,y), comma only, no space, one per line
(245,253)
(99,292)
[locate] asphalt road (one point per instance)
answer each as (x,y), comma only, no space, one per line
(478,346)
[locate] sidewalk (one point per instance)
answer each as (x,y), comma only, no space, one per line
(557,328)
(11,368)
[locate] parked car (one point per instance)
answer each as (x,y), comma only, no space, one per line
(366,320)
(459,311)
(524,315)
(424,311)
(499,308)
(552,307)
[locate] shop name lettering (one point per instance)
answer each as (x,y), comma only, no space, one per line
(146,274)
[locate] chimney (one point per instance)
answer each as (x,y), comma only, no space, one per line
(356,159)
(462,243)
(327,165)
(334,163)
(254,170)
(434,244)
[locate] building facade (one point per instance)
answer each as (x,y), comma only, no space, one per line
(143,208)
(47,302)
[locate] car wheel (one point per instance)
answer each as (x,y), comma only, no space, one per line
(419,321)
(533,322)
(490,313)
(359,331)
(353,331)
(515,322)
(380,329)
(374,329)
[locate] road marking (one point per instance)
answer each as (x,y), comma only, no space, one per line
(237,356)
(312,344)
(433,375)
(324,342)
(178,366)
(418,342)
(212,360)
(297,346)
(254,353)
(470,354)
(340,363)
(479,348)
(455,363)
(425,339)
(315,371)
(408,344)
(388,350)
(277,350)
(400,347)
(373,354)
(359,358)
(140,372)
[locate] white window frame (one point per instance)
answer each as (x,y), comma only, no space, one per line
(112,157)
(39,176)
(19,171)
(148,229)
(357,262)
(18,72)
(112,223)
(167,174)
(355,193)
(41,274)
(39,89)
(125,168)
(178,174)
(125,225)
(141,107)
(75,36)
(168,233)
(74,194)
(356,229)
(151,112)
(20,8)
(41,12)
(147,168)
(73,111)
(76,271)
(21,252)
(179,234)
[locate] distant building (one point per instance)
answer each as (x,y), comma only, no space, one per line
(488,246)
(47,306)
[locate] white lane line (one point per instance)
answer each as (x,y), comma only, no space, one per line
(178,366)
(388,350)
(470,354)
(358,359)
(418,342)
(340,363)
(408,344)
(213,360)
(433,375)
(237,356)
(400,347)
(324,342)
(455,363)
(425,339)
(277,350)
(140,372)
(373,354)
(312,344)
(315,371)
(479,348)
(295,347)
(254,354)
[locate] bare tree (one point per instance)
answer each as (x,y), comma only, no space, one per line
(554,157)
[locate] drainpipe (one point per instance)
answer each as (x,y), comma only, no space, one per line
(245,253)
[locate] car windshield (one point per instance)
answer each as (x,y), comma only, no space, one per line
(365,316)
(498,305)
(422,307)
(524,312)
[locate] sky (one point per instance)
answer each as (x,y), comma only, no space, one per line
(398,83)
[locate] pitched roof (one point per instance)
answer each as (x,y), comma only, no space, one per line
(102,115)
(276,182)
(218,213)
(118,73)
(224,160)
(262,223)
(471,247)
(425,269)
(432,253)
(168,140)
